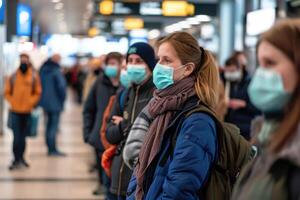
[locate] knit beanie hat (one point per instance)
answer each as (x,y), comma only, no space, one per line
(145,51)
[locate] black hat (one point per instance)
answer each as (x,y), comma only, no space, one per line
(145,51)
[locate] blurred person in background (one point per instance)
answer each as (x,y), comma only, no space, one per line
(275,90)
(104,87)
(78,76)
(115,107)
(22,91)
(242,59)
(52,100)
(95,68)
(140,64)
(240,110)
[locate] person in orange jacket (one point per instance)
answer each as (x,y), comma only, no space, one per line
(22,91)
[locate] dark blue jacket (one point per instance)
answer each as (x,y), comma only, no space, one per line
(94,108)
(53,87)
(187,168)
(242,117)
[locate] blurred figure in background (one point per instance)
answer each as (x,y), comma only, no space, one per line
(103,88)
(140,64)
(275,90)
(240,110)
(242,59)
(77,81)
(95,68)
(22,91)
(52,100)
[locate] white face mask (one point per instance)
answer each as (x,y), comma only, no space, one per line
(234,76)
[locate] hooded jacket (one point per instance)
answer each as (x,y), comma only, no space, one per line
(94,108)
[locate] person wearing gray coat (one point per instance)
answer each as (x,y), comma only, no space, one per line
(136,138)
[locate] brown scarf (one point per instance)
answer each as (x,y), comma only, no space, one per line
(161,108)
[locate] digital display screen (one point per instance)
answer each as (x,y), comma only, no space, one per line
(2,11)
(24,20)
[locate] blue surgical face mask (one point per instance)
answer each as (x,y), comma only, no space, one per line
(124,79)
(136,73)
(163,76)
(266,91)
(111,71)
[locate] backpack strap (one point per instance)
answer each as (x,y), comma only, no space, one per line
(122,100)
(199,108)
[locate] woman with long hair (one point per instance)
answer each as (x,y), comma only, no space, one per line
(275,90)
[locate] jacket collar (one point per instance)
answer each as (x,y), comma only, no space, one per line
(190,104)
(147,86)
(107,81)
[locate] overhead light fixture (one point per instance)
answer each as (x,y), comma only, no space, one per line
(193,21)
(56,1)
(59,6)
(184,25)
(203,18)
(94,31)
(173,28)
(106,7)
(133,23)
(155,33)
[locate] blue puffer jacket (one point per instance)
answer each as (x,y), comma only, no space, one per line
(53,87)
(187,168)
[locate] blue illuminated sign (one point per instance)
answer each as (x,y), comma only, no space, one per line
(2,11)
(24,18)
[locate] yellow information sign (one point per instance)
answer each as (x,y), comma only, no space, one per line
(133,23)
(177,8)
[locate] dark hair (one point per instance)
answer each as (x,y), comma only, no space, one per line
(232,61)
(114,55)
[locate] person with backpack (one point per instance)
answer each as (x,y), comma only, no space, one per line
(140,63)
(275,90)
(22,91)
(105,86)
(183,136)
(52,100)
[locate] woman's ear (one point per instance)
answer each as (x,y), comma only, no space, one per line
(190,67)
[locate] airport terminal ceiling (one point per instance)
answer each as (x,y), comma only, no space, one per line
(71,16)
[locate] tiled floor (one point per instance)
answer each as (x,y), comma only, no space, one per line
(50,178)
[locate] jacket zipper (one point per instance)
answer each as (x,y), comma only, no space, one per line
(132,120)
